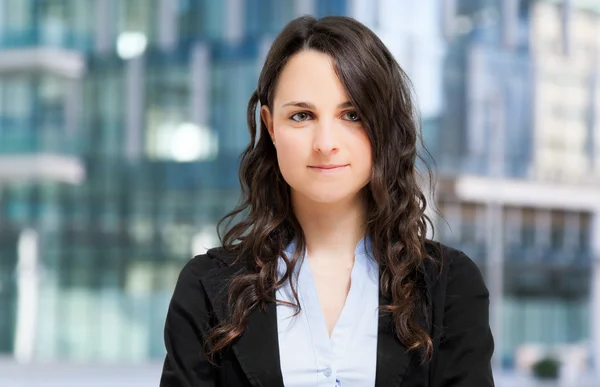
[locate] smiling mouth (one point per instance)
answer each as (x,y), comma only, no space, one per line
(327,167)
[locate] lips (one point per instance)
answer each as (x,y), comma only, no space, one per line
(328,167)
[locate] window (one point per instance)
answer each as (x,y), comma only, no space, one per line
(469,223)
(53,22)
(528,227)
(585,225)
(557,230)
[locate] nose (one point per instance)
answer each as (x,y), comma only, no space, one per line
(325,138)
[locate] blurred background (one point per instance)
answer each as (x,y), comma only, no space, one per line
(121,124)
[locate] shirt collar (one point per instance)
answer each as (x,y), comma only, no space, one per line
(363,256)
(363,247)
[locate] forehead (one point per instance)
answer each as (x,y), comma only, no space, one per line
(309,76)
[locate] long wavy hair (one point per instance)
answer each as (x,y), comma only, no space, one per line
(396,220)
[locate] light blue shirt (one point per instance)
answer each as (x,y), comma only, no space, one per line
(308,356)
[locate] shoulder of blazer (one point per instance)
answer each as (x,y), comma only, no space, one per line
(215,260)
(214,270)
(222,256)
(442,257)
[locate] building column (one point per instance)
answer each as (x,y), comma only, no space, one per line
(234,20)
(103,28)
(595,291)
(449,9)
(168,24)
(494,265)
(134,112)
(200,73)
(28,293)
(510,20)
(73,106)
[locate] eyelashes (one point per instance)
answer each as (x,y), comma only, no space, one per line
(348,115)
(300,116)
(354,113)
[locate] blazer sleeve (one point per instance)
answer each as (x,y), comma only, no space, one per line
(466,345)
(187,322)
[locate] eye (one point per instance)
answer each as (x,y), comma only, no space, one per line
(300,117)
(351,115)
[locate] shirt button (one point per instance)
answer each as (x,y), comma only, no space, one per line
(327,372)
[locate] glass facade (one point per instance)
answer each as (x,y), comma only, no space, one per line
(494,91)
(60,23)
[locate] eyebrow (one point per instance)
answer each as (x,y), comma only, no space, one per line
(308,105)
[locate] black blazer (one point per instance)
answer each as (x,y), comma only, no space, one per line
(458,321)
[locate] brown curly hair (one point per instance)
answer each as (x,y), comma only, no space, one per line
(381,93)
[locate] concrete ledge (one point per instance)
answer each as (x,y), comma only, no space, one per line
(59,61)
(41,167)
(527,193)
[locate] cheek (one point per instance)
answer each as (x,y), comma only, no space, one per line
(364,154)
(367,168)
(290,157)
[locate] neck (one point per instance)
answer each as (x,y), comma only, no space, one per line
(331,231)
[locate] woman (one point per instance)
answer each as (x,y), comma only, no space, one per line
(328,279)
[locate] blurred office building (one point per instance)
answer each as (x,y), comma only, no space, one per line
(517,150)
(121,124)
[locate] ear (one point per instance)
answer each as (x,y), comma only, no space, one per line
(265,115)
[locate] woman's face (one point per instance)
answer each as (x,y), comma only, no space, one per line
(323,150)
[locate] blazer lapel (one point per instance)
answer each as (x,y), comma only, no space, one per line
(392,356)
(257,349)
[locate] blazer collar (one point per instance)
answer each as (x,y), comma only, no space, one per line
(257,350)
